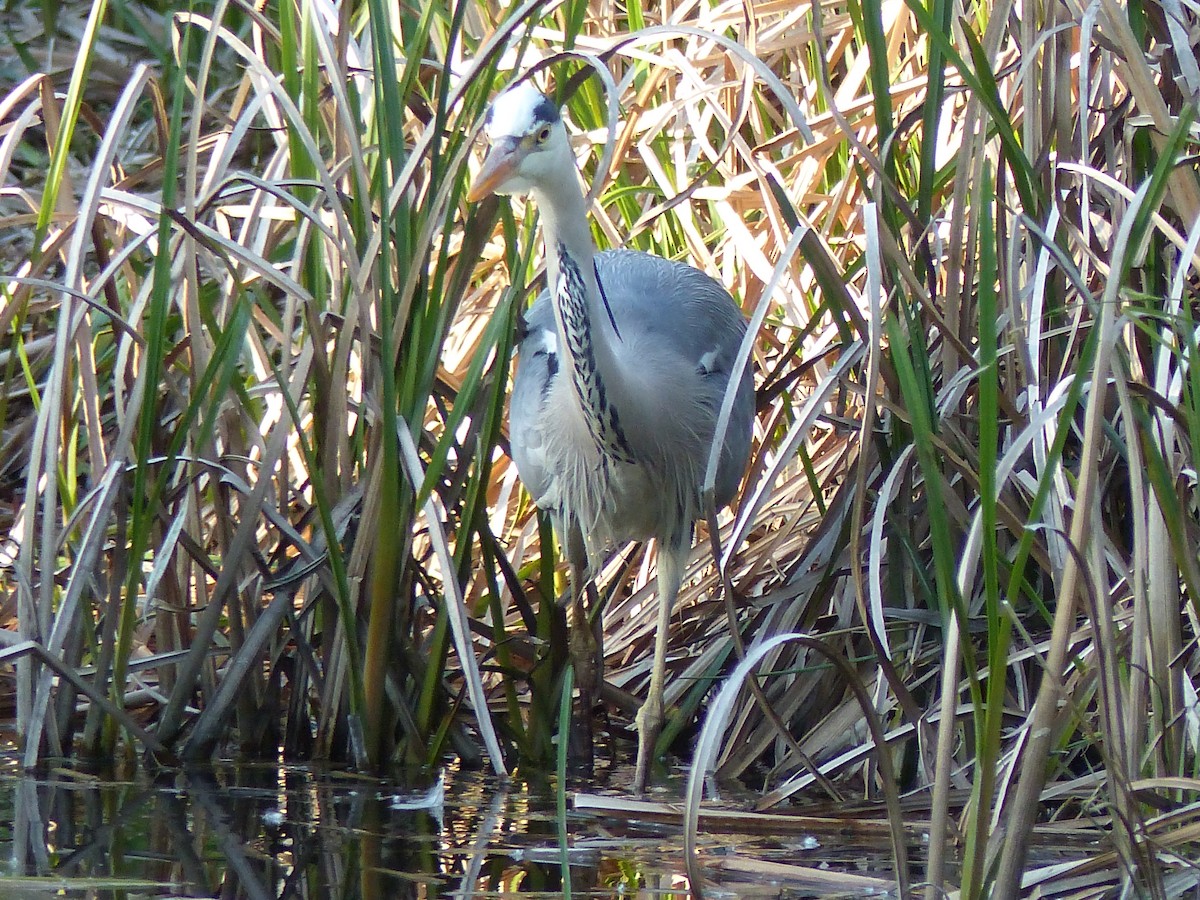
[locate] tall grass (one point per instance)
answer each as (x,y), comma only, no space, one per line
(257,352)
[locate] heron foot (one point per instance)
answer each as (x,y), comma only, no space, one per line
(580,741)
(649,725)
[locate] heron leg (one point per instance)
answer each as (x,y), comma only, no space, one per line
(581,641)
(581,645)
(671,560)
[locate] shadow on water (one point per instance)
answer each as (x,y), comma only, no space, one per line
(248,831)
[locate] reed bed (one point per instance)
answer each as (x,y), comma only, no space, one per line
(257,347)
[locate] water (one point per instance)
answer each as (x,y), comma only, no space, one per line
(250,831)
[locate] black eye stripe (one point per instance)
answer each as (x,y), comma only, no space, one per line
(546,111)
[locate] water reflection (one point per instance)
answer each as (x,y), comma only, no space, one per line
(275,832)
(304,832)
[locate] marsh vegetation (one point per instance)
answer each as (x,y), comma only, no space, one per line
(256,349)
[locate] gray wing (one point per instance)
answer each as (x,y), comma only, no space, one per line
(670,303)
(680,307)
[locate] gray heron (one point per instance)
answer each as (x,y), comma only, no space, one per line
(620,378)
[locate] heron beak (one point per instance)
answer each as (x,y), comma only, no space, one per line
(502,161)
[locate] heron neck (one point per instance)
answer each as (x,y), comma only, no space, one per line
(587,337)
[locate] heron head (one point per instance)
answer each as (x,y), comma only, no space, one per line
(529,144)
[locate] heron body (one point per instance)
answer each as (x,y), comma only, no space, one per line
(620,379)
(627,461)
